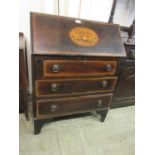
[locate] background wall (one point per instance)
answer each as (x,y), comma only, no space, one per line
(98,10)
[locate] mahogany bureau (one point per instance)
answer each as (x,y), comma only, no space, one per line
(74,66)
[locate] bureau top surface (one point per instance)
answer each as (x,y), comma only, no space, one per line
(57,35)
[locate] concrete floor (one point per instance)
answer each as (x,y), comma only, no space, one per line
(81,135)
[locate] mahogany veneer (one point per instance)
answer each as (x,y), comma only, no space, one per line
(74,66)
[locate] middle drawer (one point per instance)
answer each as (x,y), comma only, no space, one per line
(63,87)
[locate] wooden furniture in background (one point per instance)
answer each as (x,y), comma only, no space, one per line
(74,66)
(125,89)
(124,94)
(23,76)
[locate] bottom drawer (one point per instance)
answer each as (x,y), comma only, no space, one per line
(64,106)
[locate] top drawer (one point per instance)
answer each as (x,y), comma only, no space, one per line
(56,68)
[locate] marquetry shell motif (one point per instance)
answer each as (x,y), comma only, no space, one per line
(83,36)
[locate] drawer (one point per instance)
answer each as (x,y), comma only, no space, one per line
(63,106)
(66,68)
(62,87)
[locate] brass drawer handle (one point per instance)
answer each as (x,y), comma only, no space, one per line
(108,67)
(53,107)
(56,68)
(99,104)
(54,87)
(104,83)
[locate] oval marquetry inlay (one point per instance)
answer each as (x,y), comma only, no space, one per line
(83,36)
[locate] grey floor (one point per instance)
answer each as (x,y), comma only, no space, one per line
(81,135)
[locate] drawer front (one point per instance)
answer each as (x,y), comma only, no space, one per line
(63,106)
(62,87)
(66,68)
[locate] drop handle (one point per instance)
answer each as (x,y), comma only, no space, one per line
(56,68)
(104,83)
(54,87)
(108,67)
(53,107)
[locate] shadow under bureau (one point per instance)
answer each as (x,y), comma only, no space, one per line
(74,66)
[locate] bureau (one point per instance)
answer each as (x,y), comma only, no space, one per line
(74,66)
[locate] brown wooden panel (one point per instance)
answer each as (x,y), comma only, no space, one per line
(125,89)
(51,35)
(23,76)
(56,68)
(62,87)
(124,94)
(63,106)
